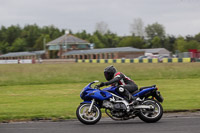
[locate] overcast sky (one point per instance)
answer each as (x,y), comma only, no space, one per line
(179,17)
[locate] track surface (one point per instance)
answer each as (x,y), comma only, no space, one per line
(173,124)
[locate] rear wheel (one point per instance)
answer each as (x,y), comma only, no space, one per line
(151,115)
(86,117)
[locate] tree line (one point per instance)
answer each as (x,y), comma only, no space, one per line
(32,37)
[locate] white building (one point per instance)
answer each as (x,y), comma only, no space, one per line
(157,51)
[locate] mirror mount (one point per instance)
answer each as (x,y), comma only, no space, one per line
(96,81)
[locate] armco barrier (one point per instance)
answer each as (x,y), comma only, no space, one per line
(154,60)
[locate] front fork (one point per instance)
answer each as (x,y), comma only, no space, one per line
(90,108)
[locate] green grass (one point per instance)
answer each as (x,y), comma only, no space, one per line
(39,101)
(51,91)
(27,74)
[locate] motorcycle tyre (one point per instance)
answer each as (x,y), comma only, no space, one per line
(152,120)
(84,121)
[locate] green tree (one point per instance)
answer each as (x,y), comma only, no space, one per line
(156,42)
(197,37)
(184,46)
(52,31)
(98,40)
(12,33)
(193,44)
(180,44)
(30,34)
(83,35)
(39,44)
(126,41)
(18,45)
(4,47)
(136,42)
(3,34)
(155,29)
(169,43)
(111,39)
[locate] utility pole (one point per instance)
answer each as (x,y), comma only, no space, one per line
(44,43)
(66,33)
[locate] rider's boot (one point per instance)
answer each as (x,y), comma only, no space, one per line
(133,101)
(130,98)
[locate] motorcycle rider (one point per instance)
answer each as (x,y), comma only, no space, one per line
(125,86)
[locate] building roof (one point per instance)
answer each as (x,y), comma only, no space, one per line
(17,54)
(68,39)
(103,50)
(156,50)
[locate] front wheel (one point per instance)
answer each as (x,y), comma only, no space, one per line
(151,115)
(86,117)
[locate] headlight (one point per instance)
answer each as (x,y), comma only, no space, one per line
(83,89)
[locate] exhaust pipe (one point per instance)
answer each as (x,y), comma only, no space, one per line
(143,107)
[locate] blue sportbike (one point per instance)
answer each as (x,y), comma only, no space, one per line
(147,107)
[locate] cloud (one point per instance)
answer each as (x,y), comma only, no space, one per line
(80,15)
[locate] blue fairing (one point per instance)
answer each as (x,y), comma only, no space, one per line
(89,93)
(111,89)
(144,91)
(86,102)
(99,94)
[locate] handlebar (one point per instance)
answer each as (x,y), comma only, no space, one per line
(97,87)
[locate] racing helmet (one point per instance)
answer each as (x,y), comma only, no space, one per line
(109,72)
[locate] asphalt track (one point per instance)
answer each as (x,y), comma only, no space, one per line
(168,124)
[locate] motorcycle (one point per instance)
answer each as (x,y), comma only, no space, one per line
(147,107)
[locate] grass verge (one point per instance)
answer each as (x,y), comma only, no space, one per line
(34,92)
(35,102)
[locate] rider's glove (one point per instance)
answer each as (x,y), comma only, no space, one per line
(102,84)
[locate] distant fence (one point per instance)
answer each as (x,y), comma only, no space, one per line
(33,61)
(58,61)
(145,60)
(20,61)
